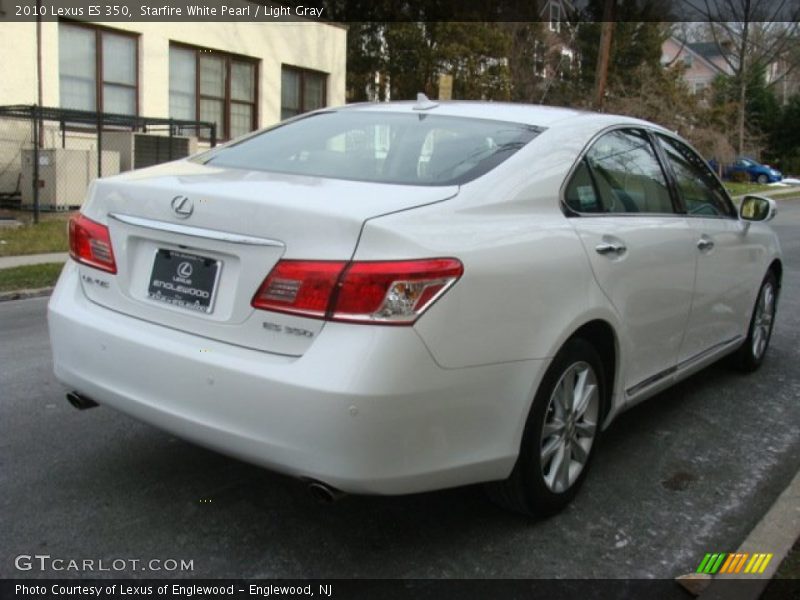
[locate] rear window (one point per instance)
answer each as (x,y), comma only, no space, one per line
(411,149)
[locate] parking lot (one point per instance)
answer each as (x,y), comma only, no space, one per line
(689,472)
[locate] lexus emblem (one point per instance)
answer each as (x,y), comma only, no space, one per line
(182,206)
(185,270)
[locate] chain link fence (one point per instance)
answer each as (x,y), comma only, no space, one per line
(48,156)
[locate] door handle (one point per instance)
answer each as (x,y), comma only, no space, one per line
(610,248)
(705,244)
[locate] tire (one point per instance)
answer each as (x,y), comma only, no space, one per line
(750,354)
(762,179)
(537,486)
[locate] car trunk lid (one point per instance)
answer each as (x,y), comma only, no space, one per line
(197,229)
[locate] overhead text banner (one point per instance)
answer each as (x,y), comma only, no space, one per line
(344,11)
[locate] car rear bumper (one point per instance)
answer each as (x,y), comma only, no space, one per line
(365,409)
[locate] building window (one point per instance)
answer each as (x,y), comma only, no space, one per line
(555,17)
(205,85)
(301,91)
(98,69)
(182,84)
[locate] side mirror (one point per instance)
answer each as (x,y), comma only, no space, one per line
(757,208)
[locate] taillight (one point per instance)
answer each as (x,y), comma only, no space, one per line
(299,287)
(387,292)
(90,244)
(393,292)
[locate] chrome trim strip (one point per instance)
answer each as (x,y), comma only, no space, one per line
(708,352)
(198,232)
(653,379)
(688,362)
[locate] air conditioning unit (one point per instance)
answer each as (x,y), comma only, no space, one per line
(138,150)
(64,175)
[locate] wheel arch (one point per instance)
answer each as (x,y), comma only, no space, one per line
(777,268)
(517,492)
(601,334)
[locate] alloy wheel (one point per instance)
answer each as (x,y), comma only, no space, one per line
(570,426)
(762,324)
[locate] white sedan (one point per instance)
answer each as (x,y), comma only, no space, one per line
(393,298)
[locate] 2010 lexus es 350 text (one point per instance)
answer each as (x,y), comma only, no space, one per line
(393,298)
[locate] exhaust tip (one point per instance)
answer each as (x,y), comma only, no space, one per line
(324,493)
(80,402)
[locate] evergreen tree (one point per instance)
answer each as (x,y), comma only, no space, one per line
(785,138)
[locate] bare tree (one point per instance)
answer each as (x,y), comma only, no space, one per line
(751,34)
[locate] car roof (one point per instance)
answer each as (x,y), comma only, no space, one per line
(530,114)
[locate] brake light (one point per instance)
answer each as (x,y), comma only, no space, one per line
(299,287)
(386,292)
(90,244)
(393,292)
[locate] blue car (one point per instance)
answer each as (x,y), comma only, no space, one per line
(756,171)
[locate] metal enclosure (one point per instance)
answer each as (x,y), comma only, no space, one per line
(64,174)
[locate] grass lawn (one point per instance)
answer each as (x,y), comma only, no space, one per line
(48,236)
(792,193)
(29,277)
(790,567)
(738,189)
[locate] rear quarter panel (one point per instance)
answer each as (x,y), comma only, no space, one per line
(527,284)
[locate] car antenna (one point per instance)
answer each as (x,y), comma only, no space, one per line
(424,103)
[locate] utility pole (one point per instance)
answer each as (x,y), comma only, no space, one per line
(38,134)
(601,71)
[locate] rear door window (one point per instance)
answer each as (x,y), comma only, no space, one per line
(620,174)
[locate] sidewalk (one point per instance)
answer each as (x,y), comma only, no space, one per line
(776,533)
(6,262)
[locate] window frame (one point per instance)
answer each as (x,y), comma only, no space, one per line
(678,208)
(99,81)
(555,23)
(302,71)
(227,101)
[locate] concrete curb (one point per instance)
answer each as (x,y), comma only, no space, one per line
(777,532)
(23,294)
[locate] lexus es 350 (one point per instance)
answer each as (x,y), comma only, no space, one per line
(393,298)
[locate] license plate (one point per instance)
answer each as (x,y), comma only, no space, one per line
(185,280)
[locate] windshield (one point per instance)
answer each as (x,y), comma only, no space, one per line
(403,148)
